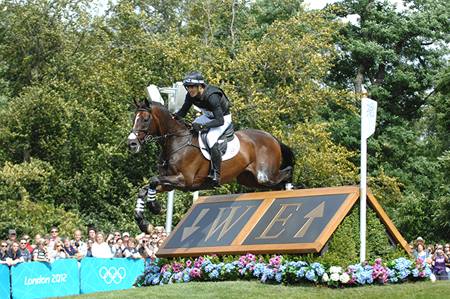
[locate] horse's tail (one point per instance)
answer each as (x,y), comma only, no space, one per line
(288,158)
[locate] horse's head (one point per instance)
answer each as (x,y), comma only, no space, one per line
(142,126)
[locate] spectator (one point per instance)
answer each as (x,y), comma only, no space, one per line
(118,248)
(89,248)
(40,253)
(69,248)
(447,249)
(92,234)
(79,244)
(117,236)
(58,251)
(12,237)
(27,240)
(144,248)
(439,260)
(420,252)
(125,238)
(160,242)
(110,240)
(24,252)
(100,248)
(159,230)
(54,238)
(131,251)
(14,256)
(3,252)
(37,239)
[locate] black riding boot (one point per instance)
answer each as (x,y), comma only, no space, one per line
(216,160)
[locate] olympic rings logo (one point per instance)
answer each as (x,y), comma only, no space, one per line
(112,275)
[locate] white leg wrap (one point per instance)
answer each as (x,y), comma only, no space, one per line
(151,194)
(139,205)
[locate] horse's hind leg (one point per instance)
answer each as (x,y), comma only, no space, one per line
(268,174)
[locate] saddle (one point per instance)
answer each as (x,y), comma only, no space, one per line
(227,136)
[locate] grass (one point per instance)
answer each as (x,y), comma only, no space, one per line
(255,289)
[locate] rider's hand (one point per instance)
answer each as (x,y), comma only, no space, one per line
(197,127)
(176,117)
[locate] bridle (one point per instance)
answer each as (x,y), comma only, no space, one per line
(163,139)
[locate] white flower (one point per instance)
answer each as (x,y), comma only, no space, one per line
(432,277)
(325,277)
(344,278)
(335,269)
(334,277)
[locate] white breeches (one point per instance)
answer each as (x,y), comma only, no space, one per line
(214,133)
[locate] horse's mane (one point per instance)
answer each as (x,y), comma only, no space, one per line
(145,105)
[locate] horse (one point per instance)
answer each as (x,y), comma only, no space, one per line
(263,162)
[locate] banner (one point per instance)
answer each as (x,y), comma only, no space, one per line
(109,274)
(43,280)
(368,117)
(4,282)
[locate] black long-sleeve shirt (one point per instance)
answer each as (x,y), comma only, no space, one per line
(213,100)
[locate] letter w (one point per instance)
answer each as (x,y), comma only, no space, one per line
(226,224)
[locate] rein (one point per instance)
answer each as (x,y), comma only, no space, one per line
(163,139)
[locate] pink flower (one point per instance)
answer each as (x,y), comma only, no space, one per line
(250,257)
(164,268)
(188,263)
(198,262)
(275,261)
(195,272)
(176,267)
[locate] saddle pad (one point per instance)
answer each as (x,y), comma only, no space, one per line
(233,147)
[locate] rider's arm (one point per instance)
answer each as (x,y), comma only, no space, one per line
(214,100)
(185,108)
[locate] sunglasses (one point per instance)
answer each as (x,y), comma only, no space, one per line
(4,245)
(54,231)
(23,243)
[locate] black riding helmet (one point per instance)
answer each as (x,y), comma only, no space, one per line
(193,79)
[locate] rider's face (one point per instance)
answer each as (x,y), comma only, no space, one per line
(193,90)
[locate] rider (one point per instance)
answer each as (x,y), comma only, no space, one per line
(216,117)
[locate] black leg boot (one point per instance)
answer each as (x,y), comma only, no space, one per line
(216,161)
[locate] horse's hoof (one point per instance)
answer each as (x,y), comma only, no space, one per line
(154,207)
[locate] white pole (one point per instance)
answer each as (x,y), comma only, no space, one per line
(368,122)
(362,204)
(194,196)
(169,215)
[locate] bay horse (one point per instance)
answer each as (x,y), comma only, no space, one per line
(263,162)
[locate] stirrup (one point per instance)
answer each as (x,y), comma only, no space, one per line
(214,179)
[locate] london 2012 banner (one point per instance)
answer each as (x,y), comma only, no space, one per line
(43,280)
(4,281)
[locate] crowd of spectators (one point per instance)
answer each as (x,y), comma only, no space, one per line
(51,247)
(437,255)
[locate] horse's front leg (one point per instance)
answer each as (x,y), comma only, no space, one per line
(168,183)
(147,194)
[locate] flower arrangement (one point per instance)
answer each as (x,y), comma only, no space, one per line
(280,270)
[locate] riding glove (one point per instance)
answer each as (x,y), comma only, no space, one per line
(198,127)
